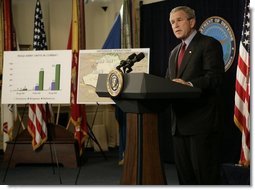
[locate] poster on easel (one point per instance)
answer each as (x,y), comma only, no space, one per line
(37,77)
(102,61)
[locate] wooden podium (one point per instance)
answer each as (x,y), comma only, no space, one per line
(142,97)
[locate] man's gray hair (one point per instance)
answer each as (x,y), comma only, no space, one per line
(190,12)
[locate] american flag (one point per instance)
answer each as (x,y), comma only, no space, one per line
(37,118)
(242,93)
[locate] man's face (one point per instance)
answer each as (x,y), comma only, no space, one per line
(182,26)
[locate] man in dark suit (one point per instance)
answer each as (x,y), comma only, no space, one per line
(196,124)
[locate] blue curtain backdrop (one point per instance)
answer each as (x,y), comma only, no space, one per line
(157,35)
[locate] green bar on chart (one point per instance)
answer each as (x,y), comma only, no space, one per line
(57,77)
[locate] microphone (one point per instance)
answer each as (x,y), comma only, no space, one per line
(125,62)
(130,64)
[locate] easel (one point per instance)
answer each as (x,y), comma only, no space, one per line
(91,136)
(90,130)
(50,139)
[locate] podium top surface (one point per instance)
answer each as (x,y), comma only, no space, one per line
(147,86)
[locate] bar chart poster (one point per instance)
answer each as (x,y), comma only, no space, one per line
(37,77)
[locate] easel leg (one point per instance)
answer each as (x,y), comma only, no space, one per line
(13,147)
(51,135)
(53,152)
(52,161)
(91,136)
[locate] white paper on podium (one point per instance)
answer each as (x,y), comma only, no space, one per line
(37,77)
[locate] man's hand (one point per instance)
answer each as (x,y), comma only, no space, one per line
(183,82)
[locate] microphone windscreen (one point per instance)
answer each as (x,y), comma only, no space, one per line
(140,56)
(132,56)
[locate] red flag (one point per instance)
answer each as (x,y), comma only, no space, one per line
(8,44)
(5,127)
(7,26)
(242,93)
(37,118)
(1,35)
(78,114)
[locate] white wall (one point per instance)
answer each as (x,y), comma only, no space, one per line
(99,22)
(57,19)
(59,22)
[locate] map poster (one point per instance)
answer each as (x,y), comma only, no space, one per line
(37,77)
(95,62)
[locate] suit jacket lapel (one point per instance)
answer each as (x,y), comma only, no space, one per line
(174,62)
(185,61)
(187,55)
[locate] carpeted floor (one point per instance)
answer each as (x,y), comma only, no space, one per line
(95,171)
(98,171)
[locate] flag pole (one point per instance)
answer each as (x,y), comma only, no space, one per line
(57,118)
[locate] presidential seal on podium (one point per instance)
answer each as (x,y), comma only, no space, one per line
(114,82)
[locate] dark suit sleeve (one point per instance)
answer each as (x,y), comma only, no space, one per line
(167,74)
(170,69)
(212,65)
